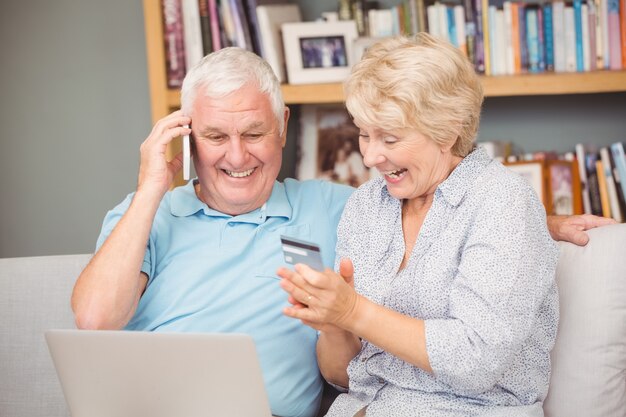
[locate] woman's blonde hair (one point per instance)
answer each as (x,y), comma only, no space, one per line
(420,83)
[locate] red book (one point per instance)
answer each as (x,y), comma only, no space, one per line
(174,43)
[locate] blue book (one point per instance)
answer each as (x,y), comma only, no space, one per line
(532,39)
(619,159)
(522,36)
(540,38)
(578,28)
(451,26)
(548,34)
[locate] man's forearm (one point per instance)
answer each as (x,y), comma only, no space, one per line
(107,291)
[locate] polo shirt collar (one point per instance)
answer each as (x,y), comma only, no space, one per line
(184,202)
(456,186)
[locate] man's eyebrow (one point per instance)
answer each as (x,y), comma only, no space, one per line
(208,130)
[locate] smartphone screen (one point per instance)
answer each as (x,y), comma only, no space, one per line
(300,251)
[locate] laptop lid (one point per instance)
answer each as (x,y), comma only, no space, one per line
(134,374)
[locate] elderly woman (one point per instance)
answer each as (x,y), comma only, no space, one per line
(445,304)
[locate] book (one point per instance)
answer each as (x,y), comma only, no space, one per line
(582,172)
(622,26)
(205,26)
(270,18)
(192,33)
(602,187)
(592,183)
(584,13)
(578,32)
(253,26)
(619,188)
(593,54)
(486,35)
(174,43)
(241,25)
(515,39)
(610,184)
(570,40)
(548,36)
(619,160)
(479,41)
(558,25)
(532,39)
(615,48)
(216,38)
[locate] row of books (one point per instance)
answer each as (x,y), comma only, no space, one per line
(589,180)
(518,36)
(194,28)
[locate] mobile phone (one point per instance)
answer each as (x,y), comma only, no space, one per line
(186,156)
(300,251)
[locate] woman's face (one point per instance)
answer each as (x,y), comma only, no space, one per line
(412,164)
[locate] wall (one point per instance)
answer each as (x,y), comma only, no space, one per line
(75,107)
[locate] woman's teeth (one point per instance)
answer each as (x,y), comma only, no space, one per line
(240,174)
(395,174)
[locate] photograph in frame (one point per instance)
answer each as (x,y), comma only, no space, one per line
(318,52)
(564,188)
(533,172)
(328,147)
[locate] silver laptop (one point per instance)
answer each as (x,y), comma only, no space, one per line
(151,374)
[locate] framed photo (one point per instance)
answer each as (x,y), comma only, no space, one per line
(556,182)
(533,172)
(318,52)
(328,146)
(564,195)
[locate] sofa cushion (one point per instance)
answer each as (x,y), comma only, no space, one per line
(34,296)
(589,357)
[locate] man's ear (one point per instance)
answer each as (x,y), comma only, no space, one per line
(286,123)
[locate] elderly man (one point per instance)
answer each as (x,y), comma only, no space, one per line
(203,257)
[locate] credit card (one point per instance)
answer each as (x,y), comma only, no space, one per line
(298,251)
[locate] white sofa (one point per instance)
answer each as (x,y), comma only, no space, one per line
(589,359)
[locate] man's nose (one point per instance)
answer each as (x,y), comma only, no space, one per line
(237,152)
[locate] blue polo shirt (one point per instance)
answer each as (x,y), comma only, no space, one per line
(212,272)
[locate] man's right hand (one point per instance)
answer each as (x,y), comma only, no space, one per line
(156,174)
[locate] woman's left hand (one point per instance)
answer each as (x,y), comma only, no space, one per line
(323,300)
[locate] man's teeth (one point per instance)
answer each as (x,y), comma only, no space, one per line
(395,174)
(239,174)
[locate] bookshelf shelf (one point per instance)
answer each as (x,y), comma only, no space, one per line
(500,86)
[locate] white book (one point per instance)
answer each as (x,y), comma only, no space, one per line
(508,38)
(610,184)
(491,18)
(501,41)
(432,14)
(192,33)
(384,23)
(558,29)
(570,40)
(600,51)
(584,11)
(270,17)
(604,25)
(442,14)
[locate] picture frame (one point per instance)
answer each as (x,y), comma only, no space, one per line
(533,172)
(318,52)
(328,147)
(556,182)
(563,183)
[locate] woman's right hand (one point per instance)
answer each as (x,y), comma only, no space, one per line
(156,174)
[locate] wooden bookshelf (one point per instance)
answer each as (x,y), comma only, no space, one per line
(163,100)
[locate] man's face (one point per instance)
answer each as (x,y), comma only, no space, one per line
(238,149)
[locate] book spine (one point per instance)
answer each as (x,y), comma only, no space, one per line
(622,25)
(451,20)
(600,51)
(548,36)
(610,184)
(570,40)
(215,25)
(532,40)
(508,42)
(619,189)
(205,26)
(255,35)
(584,12)
(174,43)
(558,23)
(619,159)
(479,45)
(459,24)
(486,35)
(615,61)
(604,194)
(522,36)
(433,20)
(582,172)
(541,39)
(192,33)
(593,54)
(578,30)
(421,16)
(592,183)
(604,22)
